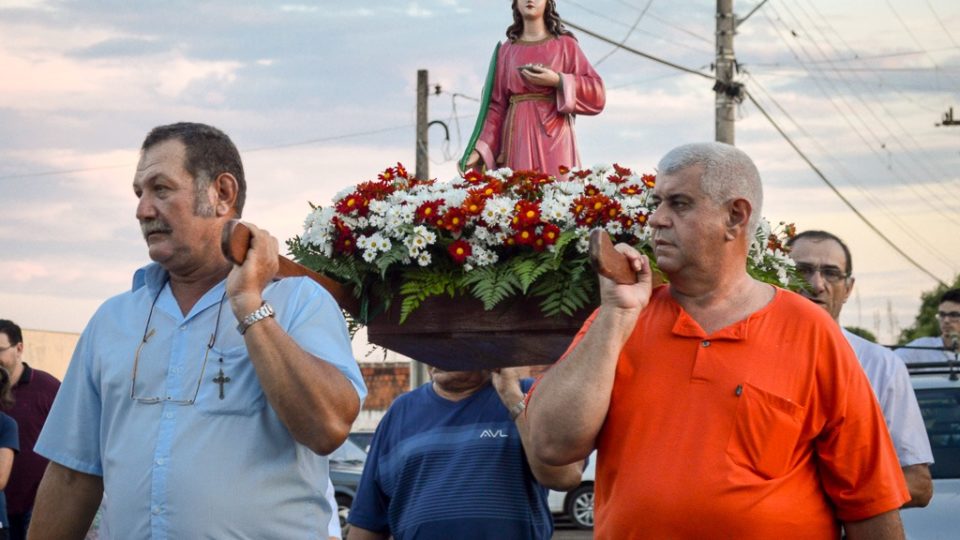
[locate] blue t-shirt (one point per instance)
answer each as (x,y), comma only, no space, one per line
(9,438)
(444,469)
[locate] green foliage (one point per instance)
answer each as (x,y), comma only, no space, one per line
(862,332)
(925,323)
(492,284)
(570,287)
(422,283)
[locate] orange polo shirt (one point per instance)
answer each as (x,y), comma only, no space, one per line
(767,428)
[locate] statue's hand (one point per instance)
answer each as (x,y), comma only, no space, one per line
(540,75)
(473,160)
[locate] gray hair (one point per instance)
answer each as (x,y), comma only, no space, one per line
(728,173)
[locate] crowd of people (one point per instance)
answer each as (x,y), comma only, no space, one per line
(202,402)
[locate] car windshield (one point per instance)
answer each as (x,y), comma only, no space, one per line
(349,452)
(941,414)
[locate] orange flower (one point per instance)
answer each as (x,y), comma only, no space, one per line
(474,203)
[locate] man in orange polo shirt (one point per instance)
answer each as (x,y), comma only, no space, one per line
(720,406)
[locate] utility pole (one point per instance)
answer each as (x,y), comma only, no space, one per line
(418,370)
(726,89)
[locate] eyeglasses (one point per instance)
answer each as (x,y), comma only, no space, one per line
(831,274)
(147,334)
(948,314)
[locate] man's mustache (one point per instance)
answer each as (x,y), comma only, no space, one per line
(153,226)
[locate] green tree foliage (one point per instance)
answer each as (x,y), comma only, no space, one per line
(925,324)
(862,332)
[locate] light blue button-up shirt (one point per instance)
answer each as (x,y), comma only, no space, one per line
(220,468)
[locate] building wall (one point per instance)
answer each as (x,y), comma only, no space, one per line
(49,351)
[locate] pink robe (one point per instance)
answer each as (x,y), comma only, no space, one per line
(529,126)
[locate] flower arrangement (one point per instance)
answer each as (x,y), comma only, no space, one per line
(494,236)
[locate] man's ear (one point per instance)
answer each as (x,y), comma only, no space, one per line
(738,217)
(225,187)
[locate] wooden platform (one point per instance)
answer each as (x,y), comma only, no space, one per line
(458,334)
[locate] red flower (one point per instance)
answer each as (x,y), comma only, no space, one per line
(590,190)
(649,180)
(387,175)
(527,214)
(459,251)
(345,243)
(631,189)
(473,177)
(581,174)
(616,179)
(525,237)
(622,171)
(454,220)
(376,191)
(354,203)
(429,212)
(401,171)
(550,234)
(611,210)
(563,169)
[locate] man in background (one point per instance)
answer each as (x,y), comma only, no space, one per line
(33,394)
(825,262)
(940,348)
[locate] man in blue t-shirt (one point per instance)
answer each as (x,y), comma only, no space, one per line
(451,459)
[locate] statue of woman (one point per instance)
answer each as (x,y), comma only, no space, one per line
(541,80)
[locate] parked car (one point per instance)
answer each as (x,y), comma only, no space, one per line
(938,393)
(577,504)
(346,467)
(362,439)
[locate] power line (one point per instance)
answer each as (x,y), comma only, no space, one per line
(637,52)
(892,215)
(784,135)
(245,151)
(878,120)
(837,192)
(626,37)
(621,23)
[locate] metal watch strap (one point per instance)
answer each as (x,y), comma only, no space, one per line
(265,310)
(518,409)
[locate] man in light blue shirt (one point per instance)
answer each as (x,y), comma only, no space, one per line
(191,425)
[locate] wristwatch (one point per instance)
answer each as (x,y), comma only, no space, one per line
(517,409)
(265,310)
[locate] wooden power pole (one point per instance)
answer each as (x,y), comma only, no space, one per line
(418,370)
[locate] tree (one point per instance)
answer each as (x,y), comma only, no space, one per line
(926,322)
(862,332)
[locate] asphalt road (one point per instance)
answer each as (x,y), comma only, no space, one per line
(566,531)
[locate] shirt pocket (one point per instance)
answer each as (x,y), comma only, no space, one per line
(765,432)
(241,391)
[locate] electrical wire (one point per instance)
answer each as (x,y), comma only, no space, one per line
(890,214)
(833,188)
(626,37)
(881,142)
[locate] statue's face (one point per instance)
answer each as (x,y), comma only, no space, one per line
(531,9)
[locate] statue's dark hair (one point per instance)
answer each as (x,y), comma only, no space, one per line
(550,18)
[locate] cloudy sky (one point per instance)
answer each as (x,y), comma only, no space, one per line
(321,95)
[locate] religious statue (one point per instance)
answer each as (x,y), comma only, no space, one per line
(538,80)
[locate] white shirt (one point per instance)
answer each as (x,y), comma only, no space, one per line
(890,381)
(919,356)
